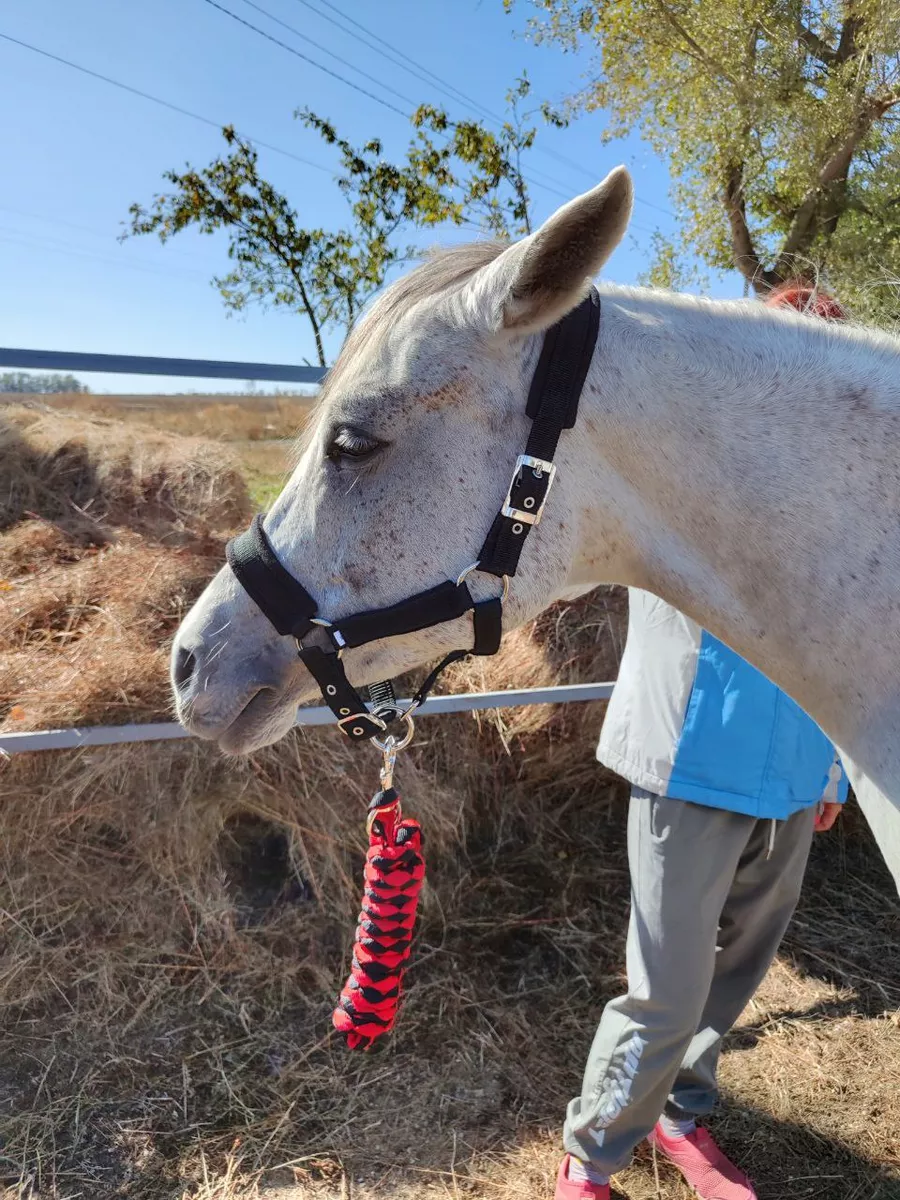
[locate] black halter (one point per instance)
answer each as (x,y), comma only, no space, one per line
(553,406)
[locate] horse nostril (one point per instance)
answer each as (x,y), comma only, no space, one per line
(183,668)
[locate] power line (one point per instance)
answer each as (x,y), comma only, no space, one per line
(17,237)
(184,112)
(35,216)
(104,234)
(334,74)
(552,188)
(368,36)
(570,162)
(397,56)
(324,50)
(305,57)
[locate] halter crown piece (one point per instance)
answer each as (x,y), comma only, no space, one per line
(395,869)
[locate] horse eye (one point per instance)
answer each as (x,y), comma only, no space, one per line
(351,444)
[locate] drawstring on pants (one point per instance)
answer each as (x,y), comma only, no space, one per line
(773,831)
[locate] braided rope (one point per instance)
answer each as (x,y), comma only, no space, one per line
(394,872)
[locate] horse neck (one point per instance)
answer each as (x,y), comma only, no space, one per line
(722,439)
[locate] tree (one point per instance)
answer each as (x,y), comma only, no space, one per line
(23,382)
(457,172)
(492,186)
(779,119)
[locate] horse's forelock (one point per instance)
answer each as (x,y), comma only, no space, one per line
(442,271)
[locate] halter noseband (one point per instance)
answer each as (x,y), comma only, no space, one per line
(553,406)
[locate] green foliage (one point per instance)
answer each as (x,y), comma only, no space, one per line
(263,487)
(670,270)
(20,382)
(456,172)
(480,172)
(275,260)
(779,119)
(459,172)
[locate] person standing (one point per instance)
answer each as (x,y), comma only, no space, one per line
(729,780)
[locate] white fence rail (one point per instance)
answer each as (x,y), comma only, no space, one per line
(110,735)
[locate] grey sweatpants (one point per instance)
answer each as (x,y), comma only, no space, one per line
(709,907)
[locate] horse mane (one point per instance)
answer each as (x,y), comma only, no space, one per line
(441,270)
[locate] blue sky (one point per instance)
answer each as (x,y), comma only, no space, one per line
(78,152)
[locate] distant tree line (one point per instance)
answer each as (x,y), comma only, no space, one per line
(41,385)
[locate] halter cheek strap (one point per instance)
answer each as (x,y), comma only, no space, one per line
(275,591)
(553,406)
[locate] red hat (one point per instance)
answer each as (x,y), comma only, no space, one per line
(807,300)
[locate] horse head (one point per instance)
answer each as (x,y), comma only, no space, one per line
(402,469)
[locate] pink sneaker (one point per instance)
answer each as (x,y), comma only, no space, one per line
(704,1166)
(568,1189)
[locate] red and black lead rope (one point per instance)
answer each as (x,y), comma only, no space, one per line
(394,872)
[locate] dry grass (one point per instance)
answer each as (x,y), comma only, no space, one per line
(223,417)
(259,430)
(88,474)
(107,537)
(174,928)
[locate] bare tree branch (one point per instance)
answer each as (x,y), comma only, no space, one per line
(847,44)
(746,257)
(853,25)
(816,45)
(824,201)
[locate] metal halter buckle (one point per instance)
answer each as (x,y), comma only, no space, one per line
(540,466)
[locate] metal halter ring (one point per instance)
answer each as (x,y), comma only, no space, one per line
(390,744)
(477,567)
(322,623)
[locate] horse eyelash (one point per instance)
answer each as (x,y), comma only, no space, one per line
(351,441)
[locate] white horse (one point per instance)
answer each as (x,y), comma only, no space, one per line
(742,463)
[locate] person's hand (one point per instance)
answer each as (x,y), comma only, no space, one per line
(826,815)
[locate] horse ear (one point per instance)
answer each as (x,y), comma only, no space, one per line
(534,283)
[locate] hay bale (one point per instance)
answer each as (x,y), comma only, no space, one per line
(105,541)
(84,473)
(158,888)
